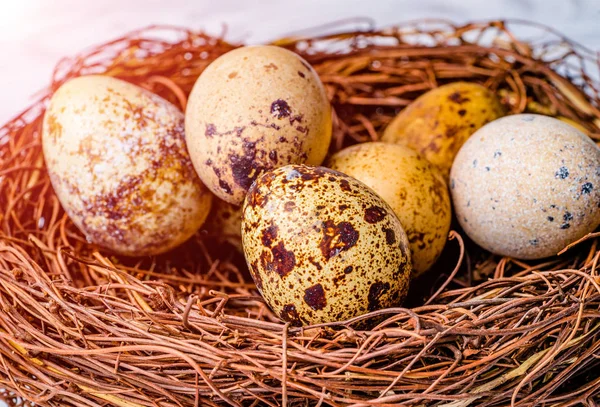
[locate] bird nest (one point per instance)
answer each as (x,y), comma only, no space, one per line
(81,327)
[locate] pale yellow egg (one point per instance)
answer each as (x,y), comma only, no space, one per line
(413,188)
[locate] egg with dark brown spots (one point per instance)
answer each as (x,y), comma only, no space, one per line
(224,223)
(117,160)
(322,246)
(526,186)
(254,109)
(413,188)
(438,122)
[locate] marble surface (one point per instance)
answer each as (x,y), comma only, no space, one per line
(35,34)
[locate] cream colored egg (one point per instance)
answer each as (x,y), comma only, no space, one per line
(117,160)
(322,246)
(526,186)
(225,223)
(412,186)
(252,110)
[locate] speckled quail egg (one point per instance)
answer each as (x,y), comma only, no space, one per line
(225,223)
(438,122)
(413,188)
(525,186)
(117,160)
(254,109)
(322,246)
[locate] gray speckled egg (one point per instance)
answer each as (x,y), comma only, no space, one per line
(254,109)
(322,246)
(527,185)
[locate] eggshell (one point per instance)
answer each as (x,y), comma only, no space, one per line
(252,110)
(225,223)
(573,123)
(117,161)
(438,122)
(525,186)
(322,247)
(413,188)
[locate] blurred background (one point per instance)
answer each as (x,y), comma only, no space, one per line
(35,34)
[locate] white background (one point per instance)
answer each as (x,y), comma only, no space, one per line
(35,34)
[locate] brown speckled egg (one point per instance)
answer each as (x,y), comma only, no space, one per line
(225,223)
(322,246)
(525,186)
(412,186)
(252,110)
(117,160)
(438,122)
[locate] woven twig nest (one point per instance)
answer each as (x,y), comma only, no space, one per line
(79,327)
